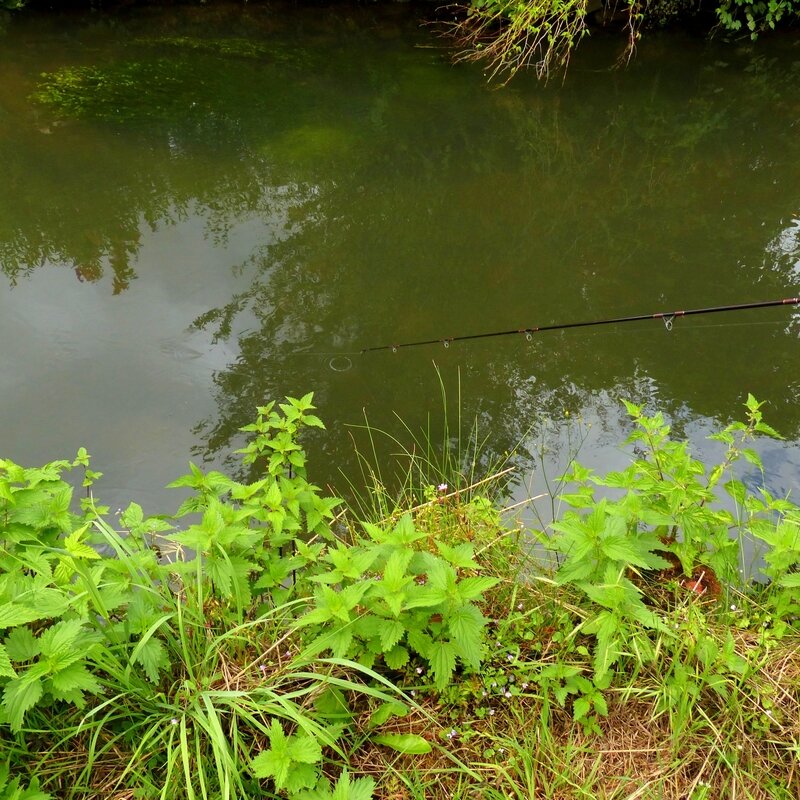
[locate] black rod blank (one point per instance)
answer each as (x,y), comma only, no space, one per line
(666,316)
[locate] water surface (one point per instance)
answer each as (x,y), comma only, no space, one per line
(250,194)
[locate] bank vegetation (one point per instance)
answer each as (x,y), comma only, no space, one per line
(269,640)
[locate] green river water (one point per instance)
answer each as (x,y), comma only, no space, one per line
(229,202)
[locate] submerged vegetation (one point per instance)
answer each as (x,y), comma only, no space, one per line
(267,640)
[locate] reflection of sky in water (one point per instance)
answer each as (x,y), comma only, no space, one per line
(124,377)
(785,249)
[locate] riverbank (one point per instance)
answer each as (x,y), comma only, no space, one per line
(414,646)
(540,35)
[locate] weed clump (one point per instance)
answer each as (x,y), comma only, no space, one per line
(264,640)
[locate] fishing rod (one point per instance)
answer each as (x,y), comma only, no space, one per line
(666,316)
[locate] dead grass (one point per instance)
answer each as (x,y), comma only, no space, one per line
(729,750)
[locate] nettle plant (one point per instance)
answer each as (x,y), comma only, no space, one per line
(159,619)
(665,515)
(256,537)
(66,607)
(388,596)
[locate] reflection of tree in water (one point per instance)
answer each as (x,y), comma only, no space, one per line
(525,207)
(420,205)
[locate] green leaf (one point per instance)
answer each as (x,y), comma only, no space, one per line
(442,658)
(275,762)
(387,709)
(465,624)
(304,748)
(301,776)
(391,633)
(403,742)
(75,677)
(20,695)
(459,556)
(6,669)
(77,548)
(396,658)
(13,614)
(22,645)
(60,639)
(152,656)
(473,588)
(359,789)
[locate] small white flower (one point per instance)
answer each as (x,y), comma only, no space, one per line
(484,693)
(413,693)
(420,670)
(173,721)
(494,684)
(520,606)
(509,657)
(442,487)
(491,712)
(507,694)
(524,686)
(733,607)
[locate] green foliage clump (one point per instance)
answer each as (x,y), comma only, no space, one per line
(256,641)
(735,15)
(394,598)
(511,35)
(189,650)
(542,34)
(667,506)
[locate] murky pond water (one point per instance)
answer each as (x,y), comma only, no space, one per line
(247,198)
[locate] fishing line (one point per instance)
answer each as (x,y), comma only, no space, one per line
(667,317)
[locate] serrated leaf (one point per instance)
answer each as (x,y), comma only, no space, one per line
(465,624)
(403,742)
(459,556)
(20,695)
(301,776)
(13,614)
(75,677)
(60,638)
(22,645)
(580,708)
(6,668)
(304,748)
(153,658)
(359,789)
(473,588)
(396,658)
(391,632)
(77,548)
(442,658)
